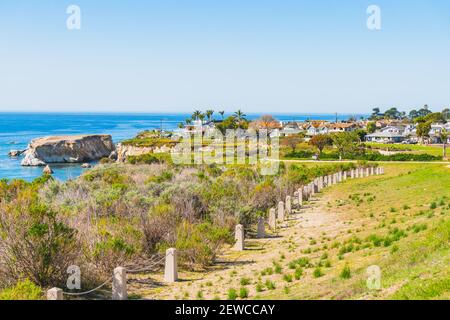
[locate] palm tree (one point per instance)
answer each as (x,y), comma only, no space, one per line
(188,121)
(209,114)
(196,115)
(222,113)
(181,125)
(240,115)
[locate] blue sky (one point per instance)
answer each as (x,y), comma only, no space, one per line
(256,55)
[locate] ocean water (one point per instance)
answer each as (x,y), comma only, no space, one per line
(18,129)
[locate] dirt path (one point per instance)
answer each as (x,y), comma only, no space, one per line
(311,223)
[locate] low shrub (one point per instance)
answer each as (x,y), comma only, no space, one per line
(243,293)
(198,244)
(317,273)
(232,294)
(23,290)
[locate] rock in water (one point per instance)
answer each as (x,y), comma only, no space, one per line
(15,153)
(47,170)
(85,165)
(68,149)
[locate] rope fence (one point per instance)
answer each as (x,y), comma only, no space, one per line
(119,277)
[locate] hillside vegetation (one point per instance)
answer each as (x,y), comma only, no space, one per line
(124,214)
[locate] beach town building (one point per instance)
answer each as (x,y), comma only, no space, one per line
(389,134)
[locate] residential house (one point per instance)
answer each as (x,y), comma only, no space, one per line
(389,134)
(342,127)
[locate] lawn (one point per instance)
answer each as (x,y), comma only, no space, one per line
(412,148)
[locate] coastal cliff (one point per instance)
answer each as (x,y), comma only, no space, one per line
(67,149)
(126,150)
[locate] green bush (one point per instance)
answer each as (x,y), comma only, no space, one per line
(270,285)
(245,281)
(36,243)
(232,294)
(243,293)
(287,278)
(198,244)
(259,287)
(298,273)
(149,158)
(23,290)
(372,156)
(317,273)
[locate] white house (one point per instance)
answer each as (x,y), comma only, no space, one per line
(388,134)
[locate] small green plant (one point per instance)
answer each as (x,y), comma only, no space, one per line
(317,273)
(267,271)
(200,295)
(245,281)
(278,269)
(346,273)
(232,294)
(287,278)
(259,287)
(433,205)
(298,273)
(270,285)
(243,293)
(394,249)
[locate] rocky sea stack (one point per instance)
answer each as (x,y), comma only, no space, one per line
(67,149)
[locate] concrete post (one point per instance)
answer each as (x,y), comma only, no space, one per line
(171,266)
(367,172)
(371,171)
(357,173)
(239,237)
(281,211)
(288,205)
(300,197)
(272,219)
(352,174)
(345,175)
(119,285)
(261,228)
(55,294)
